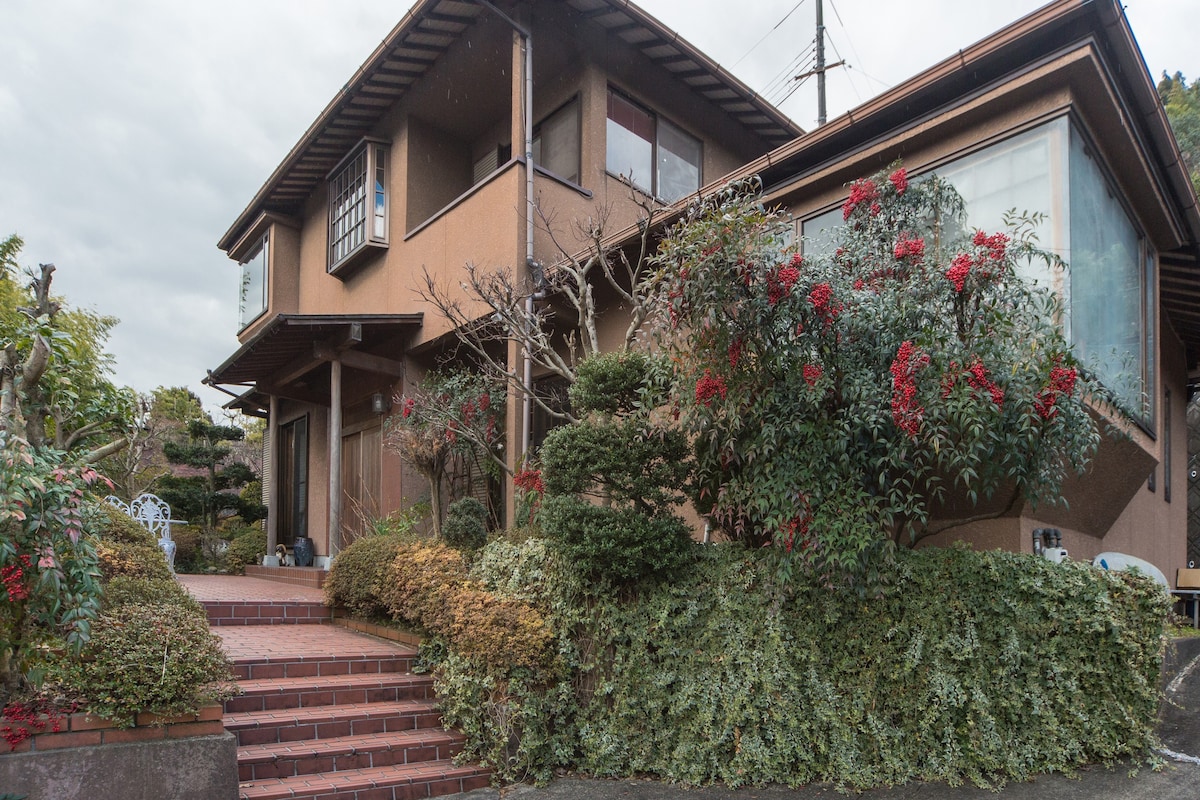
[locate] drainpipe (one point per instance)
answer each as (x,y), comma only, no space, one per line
(527,376)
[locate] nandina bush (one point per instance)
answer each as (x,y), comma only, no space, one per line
(48,564)
(834,401)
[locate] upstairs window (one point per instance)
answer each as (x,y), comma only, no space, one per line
(358,205)
(1108,292)
(253,298)
(556,143)
(651,153)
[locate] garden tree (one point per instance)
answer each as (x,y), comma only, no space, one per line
(834,402)
(449,415)
(1182,103)
(553,317)
(203,496)
(613,480)
(55,389)
(163,414)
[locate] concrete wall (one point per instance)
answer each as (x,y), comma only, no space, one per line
(198,768)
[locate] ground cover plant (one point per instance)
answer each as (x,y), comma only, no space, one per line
(979,667)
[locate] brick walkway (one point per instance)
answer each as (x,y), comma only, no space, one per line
(231,588)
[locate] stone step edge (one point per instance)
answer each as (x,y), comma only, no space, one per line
(346,745)
(304,684)
(316,715)
(436,777)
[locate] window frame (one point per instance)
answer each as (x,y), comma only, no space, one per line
(373,207)
(657,120)
(572,106)
(260,253)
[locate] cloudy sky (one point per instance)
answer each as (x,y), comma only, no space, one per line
(133,132)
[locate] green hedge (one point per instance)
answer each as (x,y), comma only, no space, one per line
(981,667)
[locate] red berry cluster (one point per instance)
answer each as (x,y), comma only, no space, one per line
(709,387)
(24,719)
(977,377)
(861,191)
(812,374)
(959,269)
(781,280)
(13,578)
(899,180)
(821,297)
(529,480)
(906,412)
(735,352)
(407,409)
(1062,384)
(912,248)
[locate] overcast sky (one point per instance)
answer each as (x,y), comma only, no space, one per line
(133,132)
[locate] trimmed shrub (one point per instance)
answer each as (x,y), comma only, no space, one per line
(136,559)
(246,547)
(359,574)
(114,525)
(430,588)
(465,527)
(124,590)
(157,658)
(616,545)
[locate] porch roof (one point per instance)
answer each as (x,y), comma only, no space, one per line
(292,345)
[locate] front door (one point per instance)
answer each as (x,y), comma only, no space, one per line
(293,481)
(362,461)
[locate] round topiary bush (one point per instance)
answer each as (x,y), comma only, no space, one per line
(246,547)
(139,559)
(465,527)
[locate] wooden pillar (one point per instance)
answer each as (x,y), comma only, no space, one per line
(335,457)
(273,476)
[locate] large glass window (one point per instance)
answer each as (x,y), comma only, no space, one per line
(556,143)
(656,156)
(358,204)
(253,299)
(1108,292)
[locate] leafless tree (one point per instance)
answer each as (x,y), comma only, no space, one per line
(559,328)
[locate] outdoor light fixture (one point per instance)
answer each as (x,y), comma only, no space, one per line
(379,403)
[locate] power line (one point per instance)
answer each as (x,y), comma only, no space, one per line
(768,33)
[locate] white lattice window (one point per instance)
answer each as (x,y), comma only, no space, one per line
(358,205)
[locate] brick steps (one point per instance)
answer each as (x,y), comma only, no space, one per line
(429,779)
(288,759)
(266,613)
(396,660)
(325,722)
(329,714)
(278,693)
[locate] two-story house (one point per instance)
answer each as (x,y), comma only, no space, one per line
(468,110)
(431,157)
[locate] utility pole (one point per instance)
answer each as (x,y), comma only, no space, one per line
(820,68)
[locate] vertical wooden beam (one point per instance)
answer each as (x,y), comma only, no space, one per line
(335,457)
(273,477)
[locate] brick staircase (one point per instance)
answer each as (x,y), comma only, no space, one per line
(329,713)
